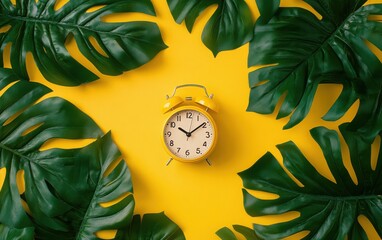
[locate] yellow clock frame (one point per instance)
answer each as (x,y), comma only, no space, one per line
(176,104)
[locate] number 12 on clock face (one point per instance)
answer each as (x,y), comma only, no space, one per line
(189,135)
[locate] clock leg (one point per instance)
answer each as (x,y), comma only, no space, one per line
(168,162)
(208,161)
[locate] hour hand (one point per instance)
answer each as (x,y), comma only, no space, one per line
(187,133)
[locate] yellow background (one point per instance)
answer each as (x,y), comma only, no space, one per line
(199,198)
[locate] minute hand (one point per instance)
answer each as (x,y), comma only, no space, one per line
(201,125)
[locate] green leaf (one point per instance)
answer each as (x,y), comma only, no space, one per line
(64,188)
(298,52)
(368,120)
(328,210)
(226,234)
(267,10)
(36,27)
(155,226)
(230,26)
(7,233)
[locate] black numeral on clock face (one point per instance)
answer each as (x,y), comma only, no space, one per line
(172,124)
(208,134)
(188,114)
(178,118)
(198,151)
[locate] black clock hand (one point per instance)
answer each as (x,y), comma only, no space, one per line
(201,125)
(187,133)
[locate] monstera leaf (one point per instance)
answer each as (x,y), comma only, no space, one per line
(65,189)
(156,226)
(16,234)
(328,210)
(267,9)
(37,27)
(368,120)
(226,234)
(297,51)
(229,27)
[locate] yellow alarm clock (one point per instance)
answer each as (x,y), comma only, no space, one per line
(190,132)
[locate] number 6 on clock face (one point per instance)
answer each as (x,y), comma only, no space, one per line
(189,134)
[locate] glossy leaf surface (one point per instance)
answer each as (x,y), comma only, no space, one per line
(298,51)
(368,120)
(36,27)
(16,234)
(156,226)
(229,27)
(226,234)
(64,188)
(328,210)
(267,9)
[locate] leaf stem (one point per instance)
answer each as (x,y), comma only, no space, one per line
(63,24)
(320,197)
(15,152)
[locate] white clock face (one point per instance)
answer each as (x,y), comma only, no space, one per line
(189,134)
